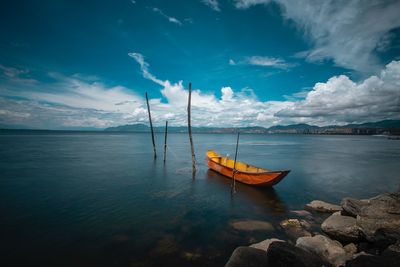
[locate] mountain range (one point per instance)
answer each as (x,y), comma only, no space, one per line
(299,128)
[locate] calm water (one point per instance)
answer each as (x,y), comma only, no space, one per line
(97,199)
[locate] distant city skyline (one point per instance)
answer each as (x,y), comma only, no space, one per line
(77,65)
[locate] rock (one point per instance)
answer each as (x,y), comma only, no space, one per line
(301,213)
(329,250)
(264,245)
(322,206)
(352,207)
(350,249)
(365,261)
(374,261)
(379,219)
(285,254)
(294,228)
(342,228)
(247,256)
(252,225)
(393,251)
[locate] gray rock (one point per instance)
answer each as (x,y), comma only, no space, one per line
(342,228)
(247,256)
(352,207)
(322,206)
(264,245)
(285,254)
(379,219)
(329,250)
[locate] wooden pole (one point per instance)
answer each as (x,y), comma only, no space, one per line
(165,140)
(190,129)
(151,127)
(234,165)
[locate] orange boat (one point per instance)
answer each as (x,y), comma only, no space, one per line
(244,173)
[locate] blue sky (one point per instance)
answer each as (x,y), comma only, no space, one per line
(87,64)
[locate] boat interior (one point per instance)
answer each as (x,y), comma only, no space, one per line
(230,163)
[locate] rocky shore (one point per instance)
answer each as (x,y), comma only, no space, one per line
(357,233)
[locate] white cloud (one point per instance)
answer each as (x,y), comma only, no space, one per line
(269,62)
(348,32)
(340,100)
(264,61)
(170,19)
(243,4)
(80,101)
(17,75)
(213,4)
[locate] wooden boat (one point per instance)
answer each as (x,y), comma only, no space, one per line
(245,173)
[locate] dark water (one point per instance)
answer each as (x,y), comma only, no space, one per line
(94,199)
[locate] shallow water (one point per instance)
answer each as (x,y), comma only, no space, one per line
(99,199)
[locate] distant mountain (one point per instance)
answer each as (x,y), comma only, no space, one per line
(378,124)
(129,128)
(293,128)
(299,126)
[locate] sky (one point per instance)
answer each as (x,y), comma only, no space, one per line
(87,64)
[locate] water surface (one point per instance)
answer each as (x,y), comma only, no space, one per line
(99,199)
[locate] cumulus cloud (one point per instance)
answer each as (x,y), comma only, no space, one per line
(346,32)
(80,101)
(169,18)
(340,100)
(213,4)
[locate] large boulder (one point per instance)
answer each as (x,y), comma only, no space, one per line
(329,250)
(321,206)
(264,245)
(379,218)
(342,228)
(352,207)
(247,256)
(285,254)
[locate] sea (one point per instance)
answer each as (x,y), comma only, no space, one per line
(102,199)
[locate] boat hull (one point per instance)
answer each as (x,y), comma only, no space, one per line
(256,179)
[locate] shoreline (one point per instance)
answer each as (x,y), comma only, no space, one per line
(357,232)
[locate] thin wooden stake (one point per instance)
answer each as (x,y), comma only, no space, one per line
(233,190)
(165,140)
(151,127)
(190,129)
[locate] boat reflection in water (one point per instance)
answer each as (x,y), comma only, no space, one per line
(265,197)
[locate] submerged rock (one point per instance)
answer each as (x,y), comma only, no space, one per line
(247,256)
(322,206)
(285,254)
(295,228)
(342,228)
(252,225)
(329,250)
(264,245)
(301,213)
